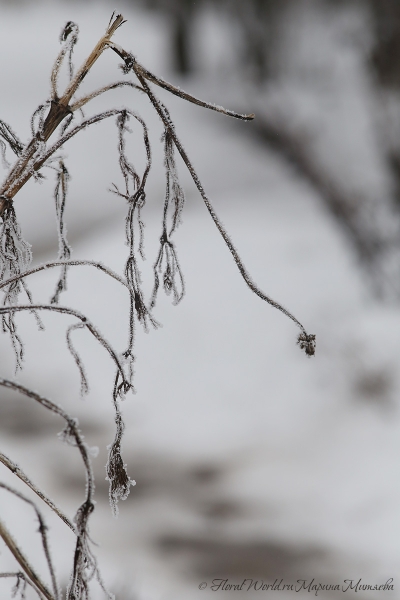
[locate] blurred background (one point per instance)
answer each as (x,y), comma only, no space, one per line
(251,461)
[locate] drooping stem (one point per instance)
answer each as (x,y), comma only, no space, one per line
(305,340)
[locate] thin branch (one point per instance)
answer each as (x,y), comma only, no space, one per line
(129,60)
(43,533)
(21,579)
(101,45)
(11,138)
(71,424)
(14,468)
(77,358)
(83,557)
(69,263)
(64,249)
(82,101)
(69,35)
(69,311)
(23,562)
(59,110)
(306,341)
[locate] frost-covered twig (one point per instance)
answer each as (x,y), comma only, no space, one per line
(20,585)
(64,249)
(68,263)
(306,341)
(125,385)
(15,267)
(24,563)
(85,564)
(24,168)
(43,533)
(14,468)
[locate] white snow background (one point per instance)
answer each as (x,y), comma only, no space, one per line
(250,459)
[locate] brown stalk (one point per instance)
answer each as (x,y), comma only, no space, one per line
(59,110)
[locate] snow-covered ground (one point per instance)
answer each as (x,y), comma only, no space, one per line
(251,461)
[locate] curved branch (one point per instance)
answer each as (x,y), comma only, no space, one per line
(305,340)
(69,311)
(65,138)
(68,263)
(174,90)
(83,557)
(82,101)
(71,424)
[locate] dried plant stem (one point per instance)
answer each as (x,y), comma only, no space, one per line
(82,101)
(59,110)
(43,533)
(15,258)
(14,468)
(83,557)
(140,73)
(62,263)
(71,423)
(24,563)
(185,96)
(22,582)
(101,45)
(84,320)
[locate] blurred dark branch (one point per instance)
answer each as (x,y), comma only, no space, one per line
(181,15)
(370,243)
(385,57)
